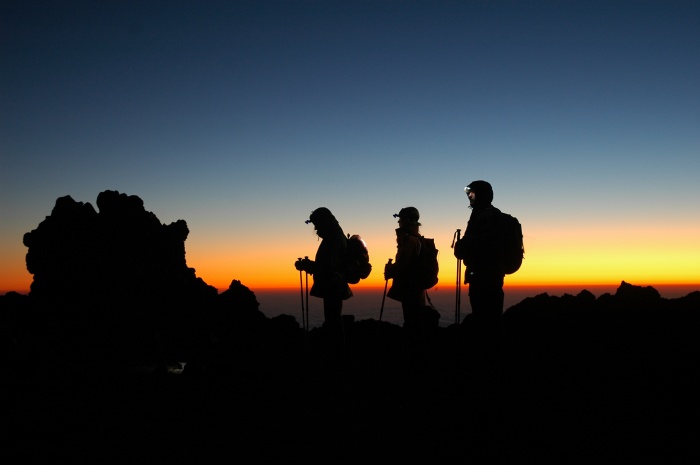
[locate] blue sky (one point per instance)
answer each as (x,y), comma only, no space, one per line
(242,117)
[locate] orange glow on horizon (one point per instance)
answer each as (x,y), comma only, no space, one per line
(553,257)
(21,284)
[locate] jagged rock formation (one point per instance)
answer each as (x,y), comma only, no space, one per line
(117,279)
(121,254)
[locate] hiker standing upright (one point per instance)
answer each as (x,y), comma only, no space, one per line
(328,281)
(404,272)
(479,249)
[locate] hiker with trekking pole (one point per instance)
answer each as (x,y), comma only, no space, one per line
(329,283)
(414,270)
(404,271)
(478,248)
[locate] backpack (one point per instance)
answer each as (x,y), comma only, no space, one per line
(512,248)
(356,265)
(428,259)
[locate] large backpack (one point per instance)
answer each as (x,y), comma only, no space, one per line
(356,265)
(512,247)
(428,258)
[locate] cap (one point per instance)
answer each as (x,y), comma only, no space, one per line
(409,214)
(320,215)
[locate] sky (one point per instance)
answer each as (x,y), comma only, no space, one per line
(241,117)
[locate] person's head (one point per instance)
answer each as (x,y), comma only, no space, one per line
(480,194)
(323,221)
(408,217)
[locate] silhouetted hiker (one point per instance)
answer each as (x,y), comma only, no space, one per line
(328,281)
(404,272)
(479,249)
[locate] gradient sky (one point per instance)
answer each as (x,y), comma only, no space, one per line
(242,117)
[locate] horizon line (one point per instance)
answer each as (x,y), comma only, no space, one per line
(451,287)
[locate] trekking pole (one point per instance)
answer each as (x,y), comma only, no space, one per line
(304,316)
(386,283)
(458,287)
(306,328)
(301,290)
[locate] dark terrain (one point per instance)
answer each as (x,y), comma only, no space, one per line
(119,354)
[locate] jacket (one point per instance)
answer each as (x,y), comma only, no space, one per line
(405,270)
(479,248)
(329,282)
